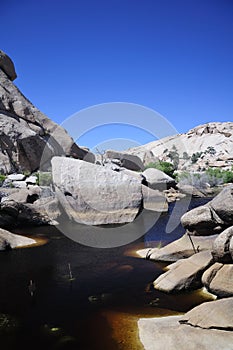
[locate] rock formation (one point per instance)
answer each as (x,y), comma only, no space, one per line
(180,249)
(210,324)
(36,206)
(128,161)
(213,142)
(213,217)
(207,326)
(218,315)
(223,246)
(157,179)
(9,240)
(218,279)
(28,139)
(7,66)
(184,274)
(167,333)
(103,197)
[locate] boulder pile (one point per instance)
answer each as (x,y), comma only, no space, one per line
(202,259)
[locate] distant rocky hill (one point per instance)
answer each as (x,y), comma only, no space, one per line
(207,145)
(26,133)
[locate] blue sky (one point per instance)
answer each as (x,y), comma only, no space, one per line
(173,56)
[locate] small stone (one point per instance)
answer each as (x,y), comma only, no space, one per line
(16,177)
(31,180)
(19,184)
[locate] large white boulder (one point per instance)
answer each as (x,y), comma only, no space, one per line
(213,314)
(212,217)
(157,179)
(218,279)
(93,195)
(167,333)
(184,274)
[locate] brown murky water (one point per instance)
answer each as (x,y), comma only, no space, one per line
(96,309)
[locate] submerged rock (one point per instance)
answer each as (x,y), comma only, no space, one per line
(179,249)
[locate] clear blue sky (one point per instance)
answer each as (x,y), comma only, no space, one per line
(173,56)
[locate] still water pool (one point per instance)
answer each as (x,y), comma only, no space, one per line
(83,297)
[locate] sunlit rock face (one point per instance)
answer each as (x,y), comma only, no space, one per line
(95,195)
(213,140)
(28,138)
(212,217)
(9,240)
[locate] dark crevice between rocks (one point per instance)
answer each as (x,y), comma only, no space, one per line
(32,198)
(66,193)
(185,322)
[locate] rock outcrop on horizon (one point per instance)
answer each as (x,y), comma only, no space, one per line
(28,139)
(211,144)
(128,161)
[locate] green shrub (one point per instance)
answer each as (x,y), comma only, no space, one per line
(44,178)
(195,157)
(212,176)
(2,179)
(210,150)
(166,167)
(227,176)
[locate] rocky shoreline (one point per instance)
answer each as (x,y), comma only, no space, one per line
(202,258)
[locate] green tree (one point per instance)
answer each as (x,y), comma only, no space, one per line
(185,156)
(210,150)
(195,157)
(174,156)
